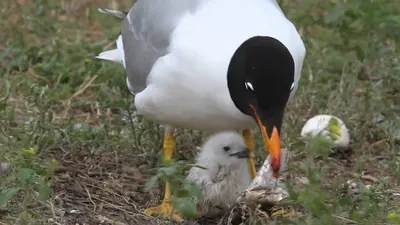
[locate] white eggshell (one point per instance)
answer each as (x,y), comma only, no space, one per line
(319,125)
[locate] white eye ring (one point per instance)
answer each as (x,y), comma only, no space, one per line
(291,87)
(248,86)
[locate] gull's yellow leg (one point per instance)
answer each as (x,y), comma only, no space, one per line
(166,209)
(250,144)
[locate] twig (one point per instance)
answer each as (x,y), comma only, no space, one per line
(34,74)
(367,177)
(341,83)
(345,219)
(370,178)
(118,207)
(109,45)
(116,161)
(57,223)
(104,201)
(378,142)
(58,80)
(106,190)
(310,109)
(52,208)
(103,218)
(90,198)
(80,91)
(66,169)
(310,77)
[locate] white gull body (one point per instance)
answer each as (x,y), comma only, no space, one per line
(177,53)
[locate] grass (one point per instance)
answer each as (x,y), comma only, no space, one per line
(73,150)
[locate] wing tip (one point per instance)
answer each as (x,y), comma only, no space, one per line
(113,12)
(111,55)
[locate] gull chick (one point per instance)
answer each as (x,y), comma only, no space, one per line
(227,175)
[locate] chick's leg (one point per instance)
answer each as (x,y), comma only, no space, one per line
(250,145)
(166,209)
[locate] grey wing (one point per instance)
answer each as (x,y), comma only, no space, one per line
(146,35)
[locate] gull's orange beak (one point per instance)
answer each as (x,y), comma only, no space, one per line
(272,143)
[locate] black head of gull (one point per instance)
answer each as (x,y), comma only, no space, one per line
(260,79)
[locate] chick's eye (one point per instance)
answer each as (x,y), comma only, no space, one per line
(227,148)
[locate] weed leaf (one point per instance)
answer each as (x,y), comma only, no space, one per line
(24,174)
(6,195)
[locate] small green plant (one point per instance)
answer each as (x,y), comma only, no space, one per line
(334,129)
(394,218)
(27,177)
(184,192)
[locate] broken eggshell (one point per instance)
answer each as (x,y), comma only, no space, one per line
(328,126)
(264,189)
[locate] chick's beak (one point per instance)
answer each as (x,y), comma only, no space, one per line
(272,143)
(245,153)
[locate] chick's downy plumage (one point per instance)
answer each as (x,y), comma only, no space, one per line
(225,157)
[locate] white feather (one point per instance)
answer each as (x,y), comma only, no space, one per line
(113,12)
(115,55)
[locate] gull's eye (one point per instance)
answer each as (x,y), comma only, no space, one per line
(227,148)
(248,86)
(291,87)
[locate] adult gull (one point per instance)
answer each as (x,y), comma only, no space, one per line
(211,65)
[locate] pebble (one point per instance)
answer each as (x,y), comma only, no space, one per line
(302,180)
(4,167)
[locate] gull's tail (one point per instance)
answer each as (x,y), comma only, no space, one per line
(115,55)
